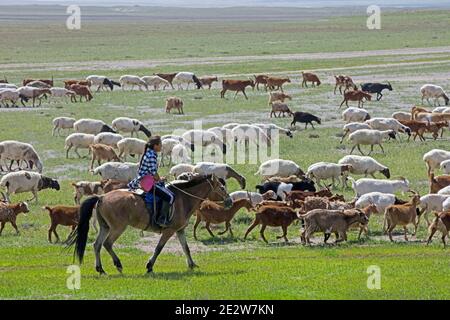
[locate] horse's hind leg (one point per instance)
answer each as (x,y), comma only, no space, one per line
(166,235)
(182,238)
(113,235)
(103,233)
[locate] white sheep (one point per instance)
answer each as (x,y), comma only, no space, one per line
(108,138)
(445,190)
(19,151)
(11,95)
(365,165)
(327,170)
(388,124)
(180,154)
(27,181)
(355,115)
(224,135)
(280,168)
(268,127)
(441,110)
(8,86)
(445,166)
(365,185)
(220,170)
(61,93)
(255,198)
(133,126)
(431,202)
(446,205)
(204,138)
(60,123)
(231,125)
(379,199)
(125,171)
(91,126)
(402,116)
(249,134)
(78,141)
(352,127)
(167,146)
(181,168)
(99,81)
(133,81)
(156,82)
(433,158)
(188,78)
(435,92)
(131,146)
(369,137)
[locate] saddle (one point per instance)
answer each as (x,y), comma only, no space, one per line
(160,212)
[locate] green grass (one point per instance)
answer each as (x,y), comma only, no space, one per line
(30,267)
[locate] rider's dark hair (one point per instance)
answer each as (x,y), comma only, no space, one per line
(155,140)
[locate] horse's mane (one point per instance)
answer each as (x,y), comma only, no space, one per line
(196,180)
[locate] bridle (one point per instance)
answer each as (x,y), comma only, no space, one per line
(211,188)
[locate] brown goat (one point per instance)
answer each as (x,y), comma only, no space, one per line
(68,83)
(167,76)
(261,79)
(9,213)
(417,127)
(110,185)
(281,108)
(236,85)
(344,81)
(274,83)
(273,216)
(174,103)
(441,223)
(62,215)
(310,77)
(207,81)
(87,188)
(438,183)
(47,81)
(212,213)
(278,96)
(102,152)
(356,95)
(302,195)
(415,110)
(402,214)
(82,91)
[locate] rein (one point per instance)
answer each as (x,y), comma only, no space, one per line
(193,195)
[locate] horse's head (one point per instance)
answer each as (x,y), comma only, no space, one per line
(219,188)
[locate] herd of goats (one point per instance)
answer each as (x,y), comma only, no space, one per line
(287,193)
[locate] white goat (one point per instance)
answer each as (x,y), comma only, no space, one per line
(365,165)
(132,81)
(379,199)
(363,186)
(60,123)
(279,168)
(327,170)
(156,82)
(125,171)
(433,158)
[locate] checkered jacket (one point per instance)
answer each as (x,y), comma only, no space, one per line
(148,166)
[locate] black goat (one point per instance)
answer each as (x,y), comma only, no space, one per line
(376,88)
(305,117)
(110,83)
(304,185)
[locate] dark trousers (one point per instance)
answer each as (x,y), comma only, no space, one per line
(164,193)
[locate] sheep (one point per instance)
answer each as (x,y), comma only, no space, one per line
(306,118)
(273,216)
(280,168)
(231,125)
(102,152)
(224,134)
(131,146)
(328,221)
(124,124)
(446,204)
(38,84)
(327,170)
(19,151)
(174,103)
(180,154)
(363,186)
(27,181)
(280,108)
(270,127)
(441,223)
(167,146)
(181,168)
(78,141)
(62,215)
(355,115)
(133,81)
(91,126)
(438,183)
(369,137)
(9,213)
(204,138)
(445,166)
(379,199)
(250,135)
(188,78)
(156,82)
(62,123)
(108,138)
(441,110)
(445,190)
(101,81)
(431,202)
(255,197)
(8,86)
(402,214)
(433,158)
(213,213)
(220,170)
(61,92)
(32,93)
(352,127)
(182,140)
(278,96)
(365,165)
(388,124)
(432,91)
(125,171)
(401,116)
(86,188)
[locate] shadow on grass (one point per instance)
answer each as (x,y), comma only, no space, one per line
(173,275)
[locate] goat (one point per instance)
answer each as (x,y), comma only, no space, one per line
(280,108)
(62,215)
(207,81)
(174,103)
(356,95)
(306,118)
(376,88)
(102,152)
(402,214)
(9,213)
(441,223)
(274,83)
(236,85)
(310,77)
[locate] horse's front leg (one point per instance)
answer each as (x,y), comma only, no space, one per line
(182,238)
(166,235)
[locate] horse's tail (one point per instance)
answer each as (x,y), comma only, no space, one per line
(80,235)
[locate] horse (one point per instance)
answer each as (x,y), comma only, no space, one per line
(119,209)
